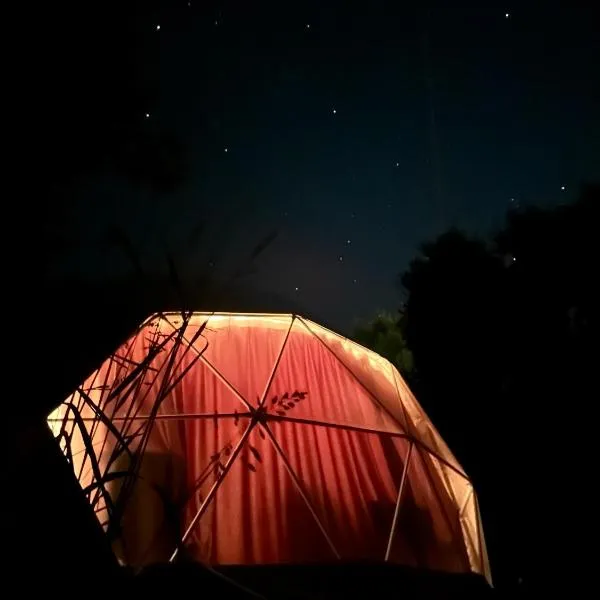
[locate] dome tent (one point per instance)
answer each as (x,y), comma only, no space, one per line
(249,439)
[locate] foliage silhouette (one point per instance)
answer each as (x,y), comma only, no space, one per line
(501,331)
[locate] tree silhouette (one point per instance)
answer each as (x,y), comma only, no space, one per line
(453,317)
(501,332)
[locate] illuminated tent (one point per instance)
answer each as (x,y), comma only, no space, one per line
(248,439)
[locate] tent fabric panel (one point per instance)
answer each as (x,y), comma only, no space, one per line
(193,441)
(371,371)
(310,383)
(421,426)
(208,394)
(384,382)
(242,348)
(200,392)
(428,533)
(183,461)
(484,562)
(460,491)
(150,527)
(84,448)
(258,514)
(352,479)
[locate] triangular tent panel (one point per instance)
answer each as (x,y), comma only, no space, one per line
(299,392)
(240,348)
(386,385)
(354,493)
(428,528)
(265,439)
(242,505)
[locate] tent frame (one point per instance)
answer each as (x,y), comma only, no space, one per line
(131,385)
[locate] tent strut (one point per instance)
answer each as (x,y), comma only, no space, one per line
(397,511)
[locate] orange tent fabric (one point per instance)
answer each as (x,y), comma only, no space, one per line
(265,439)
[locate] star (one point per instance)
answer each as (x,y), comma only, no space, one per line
(308,26)
(158,28)
(397,164)
(334,111)
(341,258)
(147,115)
(355,281)
(507,15)
(216,22)
(226,149)
(348,242)
(296,289)
(562,187)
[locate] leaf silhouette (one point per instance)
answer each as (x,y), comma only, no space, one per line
(91,455)
(198,333)
(134,374)
(215,456)
(285,396)
(102,417)
(108,477)
(295,394)
(281,413)
(274,400)
(291,405)
(251,467)
(227,450)
(255,453)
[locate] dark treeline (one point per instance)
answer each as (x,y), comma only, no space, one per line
(501,332)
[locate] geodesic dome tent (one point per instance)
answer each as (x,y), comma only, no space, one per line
(247,439)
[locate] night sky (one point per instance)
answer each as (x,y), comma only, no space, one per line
(356,131)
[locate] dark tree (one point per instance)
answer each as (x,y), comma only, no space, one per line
(502,336)
(453,317)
